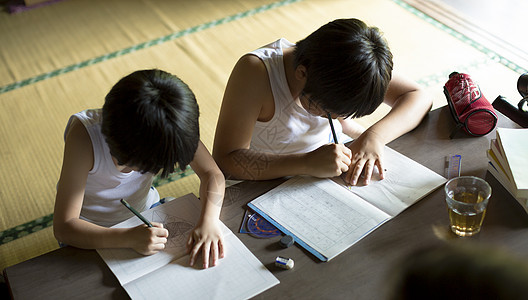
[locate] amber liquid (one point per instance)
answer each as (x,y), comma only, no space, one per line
(467,220)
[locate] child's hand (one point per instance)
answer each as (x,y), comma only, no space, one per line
(329,160)
(367,152)
(207,236)
(149,240)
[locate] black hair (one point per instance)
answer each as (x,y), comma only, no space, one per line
(349,67)
(150,122)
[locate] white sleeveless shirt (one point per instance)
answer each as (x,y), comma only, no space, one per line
(106,185)
(291,129)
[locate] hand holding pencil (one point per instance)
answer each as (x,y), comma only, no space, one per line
(329,116)
(146,240)
(328,160)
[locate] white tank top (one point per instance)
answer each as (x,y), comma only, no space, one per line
(106,185)
(291,129)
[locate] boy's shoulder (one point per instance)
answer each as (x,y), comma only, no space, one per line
(90,116)
(78,144)
(76,131)
(248,74)
(79,123)
(251,61)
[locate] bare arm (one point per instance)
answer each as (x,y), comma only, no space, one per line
(248,99)
(351,127)
(68,227)
(207,235)
(410,103)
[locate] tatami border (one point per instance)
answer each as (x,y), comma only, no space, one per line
(46,221)
(154,42)
(492,55)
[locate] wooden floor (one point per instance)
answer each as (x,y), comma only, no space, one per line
(59,59)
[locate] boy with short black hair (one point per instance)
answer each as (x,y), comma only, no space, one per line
(346,63)
(273,121)
(148,124)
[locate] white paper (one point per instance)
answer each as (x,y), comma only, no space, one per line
(330,217)
(405,182)
(167,274)
(321,213)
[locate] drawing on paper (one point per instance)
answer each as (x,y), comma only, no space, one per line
(178,228)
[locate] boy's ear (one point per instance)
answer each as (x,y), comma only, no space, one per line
(300,73)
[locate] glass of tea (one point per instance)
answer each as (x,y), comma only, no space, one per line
(467,198)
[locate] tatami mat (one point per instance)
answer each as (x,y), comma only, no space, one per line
(496,26)
(67,33)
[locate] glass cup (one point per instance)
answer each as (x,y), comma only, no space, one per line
(467,198)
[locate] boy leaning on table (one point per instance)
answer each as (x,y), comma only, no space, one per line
(148,124)
(280,98)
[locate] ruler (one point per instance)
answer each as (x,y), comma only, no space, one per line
(453,165)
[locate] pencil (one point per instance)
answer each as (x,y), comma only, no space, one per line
(135,212)
(332,127)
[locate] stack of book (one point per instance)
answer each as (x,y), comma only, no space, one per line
(508,162)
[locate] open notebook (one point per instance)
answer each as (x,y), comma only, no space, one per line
(167,274)
(326,217)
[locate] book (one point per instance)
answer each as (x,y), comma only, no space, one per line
(512,144)
(504,181)
(495,155)
(501,168)
(326,217)
(496,169)
(167,274)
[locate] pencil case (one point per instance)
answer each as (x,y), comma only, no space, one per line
(471,111)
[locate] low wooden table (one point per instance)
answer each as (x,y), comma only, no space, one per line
(361,272)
